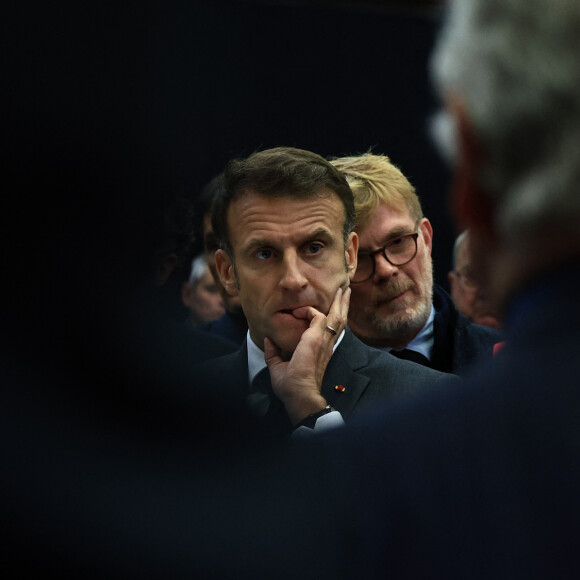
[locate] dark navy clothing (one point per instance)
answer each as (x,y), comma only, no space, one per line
(228,326)
(479,482)
(369,377)
(459,342)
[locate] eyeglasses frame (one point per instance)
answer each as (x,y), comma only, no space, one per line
(372,255)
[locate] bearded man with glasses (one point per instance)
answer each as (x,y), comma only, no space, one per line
(394,304)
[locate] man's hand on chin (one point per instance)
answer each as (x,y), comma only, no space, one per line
(298,382)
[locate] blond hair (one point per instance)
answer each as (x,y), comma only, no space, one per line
(375,180)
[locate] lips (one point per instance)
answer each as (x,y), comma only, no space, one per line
(392,296)
(286,312)
(291,310)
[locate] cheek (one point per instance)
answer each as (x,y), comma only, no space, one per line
(251,299)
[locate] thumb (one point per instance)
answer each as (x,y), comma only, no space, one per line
(271,353)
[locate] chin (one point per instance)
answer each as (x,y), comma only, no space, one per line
(288,337)
(288,344)
(402,322)
(407,307)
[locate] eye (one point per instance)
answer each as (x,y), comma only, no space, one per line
(263,254)
(395,242)
(314,248)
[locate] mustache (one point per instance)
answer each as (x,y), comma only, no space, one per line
(392,289)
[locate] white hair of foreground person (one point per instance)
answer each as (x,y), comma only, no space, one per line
(514,66)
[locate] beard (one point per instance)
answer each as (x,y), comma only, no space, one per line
(408,318)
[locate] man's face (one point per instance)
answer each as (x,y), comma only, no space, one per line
(463,287)
(288,253)
(468,292)
(231,303)
(205,300)
(392,306)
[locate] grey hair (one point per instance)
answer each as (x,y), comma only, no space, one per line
(198,267)
(514,66)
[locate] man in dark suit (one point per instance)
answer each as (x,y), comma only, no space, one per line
(287,250)
(395,306)
(232,324)
(483,482)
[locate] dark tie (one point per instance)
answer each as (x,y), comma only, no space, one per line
(261,393)
(412,355)
(266,405)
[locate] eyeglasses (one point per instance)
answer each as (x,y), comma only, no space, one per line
(398,252)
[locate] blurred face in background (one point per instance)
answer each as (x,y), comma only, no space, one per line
(231,303)
(203,299)
(468,292)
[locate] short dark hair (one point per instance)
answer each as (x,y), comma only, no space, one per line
(279,172)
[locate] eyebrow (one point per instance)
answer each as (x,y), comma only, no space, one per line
(322,233)
(394,233)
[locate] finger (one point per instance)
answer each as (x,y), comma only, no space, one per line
(335,305)
(338,313)
(345,304)
(271,353)
(306,312)
(309,312)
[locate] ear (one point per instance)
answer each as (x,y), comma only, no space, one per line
(471,206)
(164,269)
(351,253)
(226,272)
(427,232)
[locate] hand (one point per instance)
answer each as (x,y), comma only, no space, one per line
(298,382)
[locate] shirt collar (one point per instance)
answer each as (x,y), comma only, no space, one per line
(425,339)
(256,360)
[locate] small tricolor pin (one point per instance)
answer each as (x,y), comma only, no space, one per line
(340,388)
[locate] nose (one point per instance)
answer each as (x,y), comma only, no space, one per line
(292,276)
(383,268)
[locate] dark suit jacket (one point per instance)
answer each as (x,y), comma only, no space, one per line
(231,328)
(481,481)
(459,343)
(368,375)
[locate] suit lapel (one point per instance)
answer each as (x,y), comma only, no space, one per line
(233,370)
(344,368)
(349,357)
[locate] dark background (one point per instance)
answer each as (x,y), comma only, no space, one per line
(201,82)
(104,105)
(333,78)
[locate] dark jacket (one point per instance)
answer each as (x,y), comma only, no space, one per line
(232,328)
(459,343)
(368,376)
(483,481)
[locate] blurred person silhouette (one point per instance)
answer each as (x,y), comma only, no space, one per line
(482,482)
(201,294)
(467,292)
(232,325)
(395,306)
